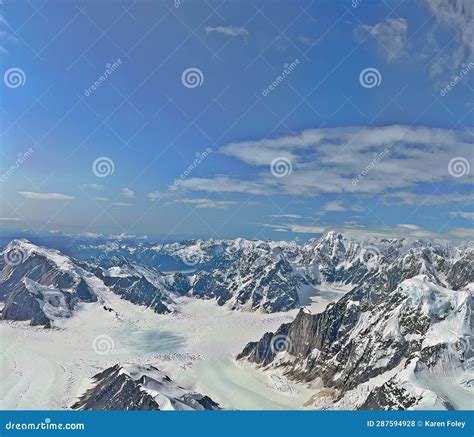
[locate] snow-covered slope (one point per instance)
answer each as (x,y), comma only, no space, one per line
(43,285)
(133,387)
(40,284)
(376,347)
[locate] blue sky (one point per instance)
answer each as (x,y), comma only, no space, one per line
(280,136)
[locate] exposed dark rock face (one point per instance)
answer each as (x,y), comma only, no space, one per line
(22,305)
(140,388)
(39,284)
(259,281)
(138,290)
(368,333)
(181,284)
(462,271)
(390,396)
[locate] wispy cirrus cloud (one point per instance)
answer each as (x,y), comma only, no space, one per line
(231,31)
(390,36)
(288,216)
(361,231)
(205,203)
(97,187)
(468,215)
(407,198)
(44,196)
(222,184)
(456,16)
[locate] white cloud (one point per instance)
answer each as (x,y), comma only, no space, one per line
(456,16)
(409,226)
(299,229)
(97,187)
(328,160)
(307,41)
(82,234)
(229,31)
(464,233)
(128,193)
(221,184)
(335,206)
(353,230)
(466,215)
(407,198)
(156,195)
(101,199)
(390,34)
(10,219)
(121,204)
(205,203)
(45,196)
(289,216)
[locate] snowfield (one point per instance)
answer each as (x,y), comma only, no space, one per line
(51,368)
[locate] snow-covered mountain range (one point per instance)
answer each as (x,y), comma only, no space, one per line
(401,335)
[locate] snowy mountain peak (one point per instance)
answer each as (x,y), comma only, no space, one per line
(135,387)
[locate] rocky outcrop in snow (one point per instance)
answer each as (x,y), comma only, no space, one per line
(376,346)
(129,387)
(40,284)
